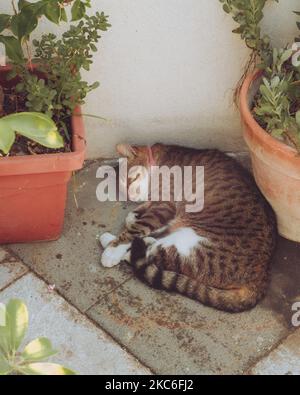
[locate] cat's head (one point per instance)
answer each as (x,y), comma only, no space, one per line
(135,155)
(139,161)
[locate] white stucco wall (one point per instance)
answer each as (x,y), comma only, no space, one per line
(167,70)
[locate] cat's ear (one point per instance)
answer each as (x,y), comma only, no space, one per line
(126,150)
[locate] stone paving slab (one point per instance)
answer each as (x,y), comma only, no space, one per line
(284,360)
(174,335)
(10,268)
(83,347)
(73,262)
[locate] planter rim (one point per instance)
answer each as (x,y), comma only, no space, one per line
(45,163)
(268,143)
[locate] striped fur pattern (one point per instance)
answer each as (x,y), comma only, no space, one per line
(220,256)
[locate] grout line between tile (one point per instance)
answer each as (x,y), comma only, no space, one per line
(108,293)
(273,348)
(15,280)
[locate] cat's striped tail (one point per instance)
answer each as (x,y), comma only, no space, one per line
(152,272)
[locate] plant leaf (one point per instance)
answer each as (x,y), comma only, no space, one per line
(298,117)
(24,23)
(46,369)
(63,16)
(22,4)
(35,126)
(38,350)
(17,322)
(265,91)
(2,314)
(7,138)
(4,21)
(78,10)
(286,55)
(13,48)
(4,366)
(53,11)
(4,333)
(37,8)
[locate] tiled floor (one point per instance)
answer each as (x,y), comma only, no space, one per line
(167,333)
(82,346)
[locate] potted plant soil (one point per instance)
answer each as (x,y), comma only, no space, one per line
(269,98)
(42,138)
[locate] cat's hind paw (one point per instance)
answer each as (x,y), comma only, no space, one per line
(112,256)
(106,239)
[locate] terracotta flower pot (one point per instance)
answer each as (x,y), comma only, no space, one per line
(33,189)
(276,167)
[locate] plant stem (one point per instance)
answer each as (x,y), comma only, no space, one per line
(92,116)
(29,55)
(14,6)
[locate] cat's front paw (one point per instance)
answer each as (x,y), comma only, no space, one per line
(106,239)
(112,256)
(131,219)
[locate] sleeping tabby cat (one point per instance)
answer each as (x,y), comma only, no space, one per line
(219,256)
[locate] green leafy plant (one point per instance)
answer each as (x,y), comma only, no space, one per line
(249,14)
(37,127)
(25,18)
(277,104)
(49,79)
(31,361)
(61,60)
(39,95)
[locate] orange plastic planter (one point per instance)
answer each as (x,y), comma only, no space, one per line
(33,189)
(276,168)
